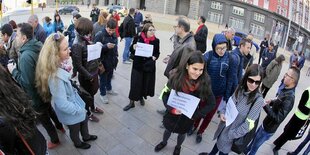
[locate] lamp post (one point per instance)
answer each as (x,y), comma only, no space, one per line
(288,29)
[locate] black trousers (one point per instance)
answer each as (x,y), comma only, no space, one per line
(45,117)
(77,128)
(264,90)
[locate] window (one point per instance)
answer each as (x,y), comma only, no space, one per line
(257,29)
(284,13)
(285,2)
(279,9)
(236,23)
(215,17)
(216,5)
(238,11)
(259,17)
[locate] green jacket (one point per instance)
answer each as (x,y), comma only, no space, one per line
(24,74)
(273,71)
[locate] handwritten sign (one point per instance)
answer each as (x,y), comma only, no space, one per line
(231,112)
(186,103)
(144,50)
(93,51)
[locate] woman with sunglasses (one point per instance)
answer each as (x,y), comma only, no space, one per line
(52,76)
(249,103)
(143,71)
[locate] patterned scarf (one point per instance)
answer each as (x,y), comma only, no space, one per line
(66,66)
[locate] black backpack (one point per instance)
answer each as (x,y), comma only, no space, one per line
(121,30)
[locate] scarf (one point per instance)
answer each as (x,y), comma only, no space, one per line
(66,66)
(199,28)
(147,40)
(189,85)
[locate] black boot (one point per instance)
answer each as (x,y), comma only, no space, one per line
(129,106)
(142,102)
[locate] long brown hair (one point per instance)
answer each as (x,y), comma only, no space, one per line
(177,79)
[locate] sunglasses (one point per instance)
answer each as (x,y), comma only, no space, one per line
(251,81)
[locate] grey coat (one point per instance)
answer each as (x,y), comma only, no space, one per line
(272,73)
(241,125)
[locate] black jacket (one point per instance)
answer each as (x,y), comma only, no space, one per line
(108,56)
(201,39)
(278,109)
(129,29)
(79,58)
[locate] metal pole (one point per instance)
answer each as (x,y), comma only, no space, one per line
(57,5)
(128,4)
(165,7)
(32,12)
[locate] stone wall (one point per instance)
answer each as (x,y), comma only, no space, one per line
(193,9)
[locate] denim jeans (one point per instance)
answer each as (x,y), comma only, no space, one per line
(105,82)
(126,52)
(260,137)
(215,150)
(302,144)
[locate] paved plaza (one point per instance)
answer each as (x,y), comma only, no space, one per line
(137,131)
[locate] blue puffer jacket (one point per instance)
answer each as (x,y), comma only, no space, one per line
(218,68)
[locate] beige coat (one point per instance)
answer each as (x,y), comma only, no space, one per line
(272,73)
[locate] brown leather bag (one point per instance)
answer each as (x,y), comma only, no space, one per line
(101,68)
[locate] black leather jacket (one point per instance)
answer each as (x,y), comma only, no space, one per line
(278,109)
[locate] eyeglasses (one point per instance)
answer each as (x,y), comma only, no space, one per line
(175,26)
(289,76)
(251,81)
(221,49)
(56,37)
(152,30)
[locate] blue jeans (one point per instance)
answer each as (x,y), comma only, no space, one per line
(215,150)
(260,137)
(105,82)
(126,52)
(302,144)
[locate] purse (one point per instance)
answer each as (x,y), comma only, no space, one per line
(101,69)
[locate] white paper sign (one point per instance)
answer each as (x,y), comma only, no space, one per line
(231,112)
(144,50)
(93,51)
(186,103)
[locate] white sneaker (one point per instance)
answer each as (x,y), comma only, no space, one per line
(126,62)
(104,99)
(111,92)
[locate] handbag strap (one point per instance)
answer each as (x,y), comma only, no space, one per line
(25,142)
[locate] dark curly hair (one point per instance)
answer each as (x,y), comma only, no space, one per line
(15,105)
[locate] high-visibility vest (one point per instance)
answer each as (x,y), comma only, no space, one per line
(301,115)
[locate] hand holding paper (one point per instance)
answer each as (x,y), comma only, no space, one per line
(231,112)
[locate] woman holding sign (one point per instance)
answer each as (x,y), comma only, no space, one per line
(248,102)
(189,78)
(87,69)
(145,49)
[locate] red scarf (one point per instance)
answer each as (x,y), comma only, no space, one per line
(147,40)
(199,28)
(189,85)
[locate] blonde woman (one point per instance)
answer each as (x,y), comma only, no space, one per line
(52,81)
(101,23)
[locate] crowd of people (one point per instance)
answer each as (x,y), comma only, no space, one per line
(36,83)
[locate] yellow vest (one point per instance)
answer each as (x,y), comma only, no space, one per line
(301,115)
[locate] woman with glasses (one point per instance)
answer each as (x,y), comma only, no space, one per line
(52,76)
(248,102)
(143,71)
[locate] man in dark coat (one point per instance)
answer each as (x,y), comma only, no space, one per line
(39,32)
(276,111)
(109,55)
(94,14)
(128,32)
(263,46)
(298,120)
(229,34)
(201,35)
(268,55)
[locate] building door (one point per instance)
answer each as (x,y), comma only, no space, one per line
(182,7)
(142,4)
